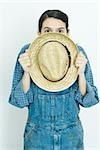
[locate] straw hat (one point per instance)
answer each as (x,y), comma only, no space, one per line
(52,58)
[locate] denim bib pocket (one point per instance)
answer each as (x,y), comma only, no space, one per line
(53,107)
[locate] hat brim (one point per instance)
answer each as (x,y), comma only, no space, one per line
(35,71)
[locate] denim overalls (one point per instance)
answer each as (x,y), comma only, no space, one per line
(53,117)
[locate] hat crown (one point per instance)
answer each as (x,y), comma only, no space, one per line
(53,60)
(49,63)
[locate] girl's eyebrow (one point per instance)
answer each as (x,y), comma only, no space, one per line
(61,28)
(51,28)
(47,28)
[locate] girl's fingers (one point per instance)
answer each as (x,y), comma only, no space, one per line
(80,60)
(23,55)
(26,50)
(81,57)
(24,58)
(24,61)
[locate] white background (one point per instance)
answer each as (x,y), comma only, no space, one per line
(18,26)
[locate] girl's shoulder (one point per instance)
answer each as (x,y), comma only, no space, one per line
(80,48)
(23,49)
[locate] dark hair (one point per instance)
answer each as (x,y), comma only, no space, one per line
(55,14)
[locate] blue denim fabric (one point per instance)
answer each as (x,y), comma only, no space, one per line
(53,117)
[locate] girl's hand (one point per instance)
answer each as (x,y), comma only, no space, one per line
(80,63)
(25,62)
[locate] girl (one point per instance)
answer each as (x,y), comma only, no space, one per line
(53,124)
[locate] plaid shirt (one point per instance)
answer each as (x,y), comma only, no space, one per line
(21,99)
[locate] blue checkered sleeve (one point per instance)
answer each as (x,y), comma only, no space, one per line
(91,98)
(17,97)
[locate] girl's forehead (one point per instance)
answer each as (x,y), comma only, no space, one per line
(53,22)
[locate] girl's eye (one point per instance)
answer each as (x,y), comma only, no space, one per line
(47,31)
(60,31)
